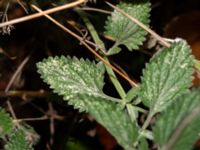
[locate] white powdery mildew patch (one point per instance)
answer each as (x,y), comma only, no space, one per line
(184,66)
(169,76)
(68,97)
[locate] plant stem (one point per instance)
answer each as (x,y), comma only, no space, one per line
(147,121)
(92,30)
(96,10)
(115,82)
(145,125)
(101,45)
(139,109)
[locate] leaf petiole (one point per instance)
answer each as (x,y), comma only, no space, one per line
(101,45)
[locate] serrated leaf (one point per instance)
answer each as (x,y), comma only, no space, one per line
(123,30)
(171,120)
(168,75)
(70,76)
(101,66)
(6,124)
(81,83)
(114,50)
(115,120)
(18,141)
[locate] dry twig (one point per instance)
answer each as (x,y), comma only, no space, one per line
(19,69)
(49,11)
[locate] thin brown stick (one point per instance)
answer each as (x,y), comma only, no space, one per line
(10,84)
(17,73)
(85,44)
(49,11)
(11,110)
(122,70)
(96,10)
(40,93)
(32,119)
(6,54)
(154,34)
(51,112)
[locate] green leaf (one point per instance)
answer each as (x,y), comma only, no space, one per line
(123,30)
(113,50)
(72,77)
(81,83)
(115,120)
(171,131)
(168,75)
(132,93)
(18,141)
(6,124)
(143,144)
(133,113)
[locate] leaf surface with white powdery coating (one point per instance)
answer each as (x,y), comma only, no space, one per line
(72,77)
(168,75)
(123,30)
(80,82)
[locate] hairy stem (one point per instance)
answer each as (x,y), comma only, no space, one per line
(95,10)
(145,125)
(147,121)
(101,45)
